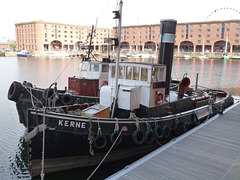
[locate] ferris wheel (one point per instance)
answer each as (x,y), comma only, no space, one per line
(225,13)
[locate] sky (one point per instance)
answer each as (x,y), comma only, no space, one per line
(135,12)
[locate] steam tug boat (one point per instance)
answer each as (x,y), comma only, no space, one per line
(137,111)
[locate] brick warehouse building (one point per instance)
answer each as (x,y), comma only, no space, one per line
(209,36)
(42,35)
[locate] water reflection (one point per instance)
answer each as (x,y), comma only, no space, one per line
(15,164)
(213,73)
(43,71)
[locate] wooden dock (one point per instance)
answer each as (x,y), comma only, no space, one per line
(210,151)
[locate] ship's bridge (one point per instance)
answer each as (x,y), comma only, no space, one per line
(140,83)
(137,74)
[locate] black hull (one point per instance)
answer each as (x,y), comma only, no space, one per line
(26,96)
(67,136)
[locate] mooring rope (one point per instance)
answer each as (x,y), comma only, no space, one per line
(106,154)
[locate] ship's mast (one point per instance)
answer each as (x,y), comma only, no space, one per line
(90,43)
(118,15)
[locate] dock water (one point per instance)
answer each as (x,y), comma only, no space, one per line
(209,151)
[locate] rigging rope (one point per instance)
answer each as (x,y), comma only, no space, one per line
(105,155)
(64,69)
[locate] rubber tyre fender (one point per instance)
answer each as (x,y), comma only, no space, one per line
(158,132)
(166,131)
(100,142)
(114,136)
(138,137)
(14,91)
(149,137)
(67,99)
(185,127)
(177,129)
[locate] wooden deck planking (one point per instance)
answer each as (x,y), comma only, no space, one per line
(206,152)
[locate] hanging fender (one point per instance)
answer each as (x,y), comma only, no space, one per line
(100,142)
(166,131)
(14,91)
(138,137)
(114,136)
(185,127)
(158,132)
(149,137)
(67,99)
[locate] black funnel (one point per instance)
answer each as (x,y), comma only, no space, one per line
(166,47)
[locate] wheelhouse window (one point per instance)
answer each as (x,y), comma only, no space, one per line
(94,67)
(83,67)
(135,73)
(113,71)
(129,72)
(144,74)
(105,68)
(158,74)
(121,72)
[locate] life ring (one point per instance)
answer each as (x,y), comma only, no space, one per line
(138,137)
(149,137)
(100,142)
(166,131)
(67,99)
(177,129)
(114,136)
(158,132)
(185,127)
(14,91)
(104,83)
(159,97)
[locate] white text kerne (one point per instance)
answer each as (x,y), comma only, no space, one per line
(71,124)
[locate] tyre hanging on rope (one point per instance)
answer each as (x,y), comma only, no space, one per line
(185,127)
(14,91)
(67,99)
(166,131)
(149,137)
(100,142)
(158,132)
(177,129)
(114,136)
(138,137)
